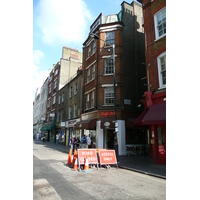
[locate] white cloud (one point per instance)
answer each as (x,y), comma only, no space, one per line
(37,55)
(38,76)
(62,21)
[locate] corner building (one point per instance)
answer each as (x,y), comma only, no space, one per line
(125,31)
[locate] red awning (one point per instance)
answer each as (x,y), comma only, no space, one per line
(86,124)
(138,121)
(156,114)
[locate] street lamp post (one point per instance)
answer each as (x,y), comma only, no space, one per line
(93,35)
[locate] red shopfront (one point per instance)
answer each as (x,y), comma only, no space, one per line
(154,117)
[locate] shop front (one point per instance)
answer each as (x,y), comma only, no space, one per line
(154,119)
(101,126)
(70,130)
(60,129)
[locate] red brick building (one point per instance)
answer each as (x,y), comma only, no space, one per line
(123,30)
(154,115)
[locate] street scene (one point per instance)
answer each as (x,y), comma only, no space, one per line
(52,179)
(99,113)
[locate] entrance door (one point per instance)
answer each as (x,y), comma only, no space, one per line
(110,139)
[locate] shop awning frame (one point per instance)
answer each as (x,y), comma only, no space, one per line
(86,124)
(156,114)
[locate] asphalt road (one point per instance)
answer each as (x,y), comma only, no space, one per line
(53,180)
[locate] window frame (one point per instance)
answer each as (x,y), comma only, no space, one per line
(92,99)
(108,68)
(70,112)
(156,23)
(89,51)
(109,38)
(71,91)
(76,89)
(88,75)
(94,47)
(106,91)
(75,110)
(93,72)
(160,71)
(87,101)
(63,97)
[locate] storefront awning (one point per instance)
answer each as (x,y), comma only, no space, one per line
(138,121)
(48,127)
(156,114)
(86,124)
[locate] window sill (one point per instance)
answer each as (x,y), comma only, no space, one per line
(108,74)
(89,81)
(162,88)
(108,105)
(160,38)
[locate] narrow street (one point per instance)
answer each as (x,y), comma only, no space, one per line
(53,180)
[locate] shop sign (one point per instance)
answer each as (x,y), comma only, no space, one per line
(91,153)
(106,124)
(127,101)
(108,114)
(161,150)
(62,124)
(107,157)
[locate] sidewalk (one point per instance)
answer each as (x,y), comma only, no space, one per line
(135,163)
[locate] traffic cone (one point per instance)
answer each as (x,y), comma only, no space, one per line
(76,165)
(74,158)
(69,161)
(86,167)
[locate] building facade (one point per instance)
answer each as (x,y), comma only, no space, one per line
(68,108)
(123,30)
(154,115)
(59,76)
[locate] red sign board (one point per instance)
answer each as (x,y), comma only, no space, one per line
(92,156)
(108,114)
(161,150)
(107,157)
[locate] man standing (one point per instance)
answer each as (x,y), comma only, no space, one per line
(57,138)
(37,135)
(83,142)
(89,141)
(72,144)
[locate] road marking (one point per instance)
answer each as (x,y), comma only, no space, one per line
(43,190)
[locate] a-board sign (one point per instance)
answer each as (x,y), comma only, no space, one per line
(92,156)
(107,157)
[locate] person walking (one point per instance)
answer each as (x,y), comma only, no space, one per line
(83,141)
(89,141)
(37,135)
(72,143)
(44,138)
(57,138)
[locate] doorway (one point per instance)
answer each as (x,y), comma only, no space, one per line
(109,138)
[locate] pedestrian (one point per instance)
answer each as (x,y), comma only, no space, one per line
(57,138)
(77,143)
(83,141)
(89,141)
(44,138)
(38,135)
(72,144)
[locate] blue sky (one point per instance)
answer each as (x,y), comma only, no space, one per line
(58,23)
